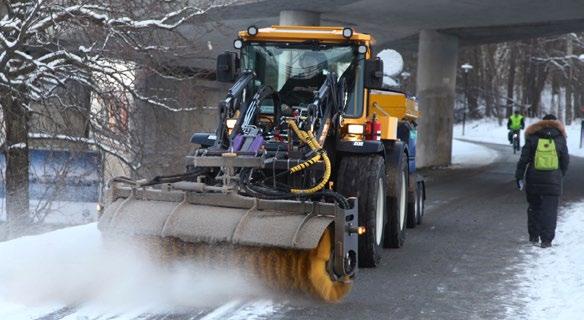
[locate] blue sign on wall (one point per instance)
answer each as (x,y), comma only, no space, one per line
(62,175)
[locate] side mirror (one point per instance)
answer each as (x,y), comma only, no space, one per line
(227,67)
(373,74)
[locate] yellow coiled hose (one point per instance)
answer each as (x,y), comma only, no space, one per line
(309,139)
(305,164)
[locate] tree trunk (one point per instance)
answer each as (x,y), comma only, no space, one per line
(528,79)
(490,79)
(541,74)
(569,105)
(473,84)
(16,153)
(555,102)
(579,106)
(511,80)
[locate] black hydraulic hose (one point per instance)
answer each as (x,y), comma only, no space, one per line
(269,193)
(227,105)
(175,178)
(162,179)
(250,111)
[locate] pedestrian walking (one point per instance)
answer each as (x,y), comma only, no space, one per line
(543,165)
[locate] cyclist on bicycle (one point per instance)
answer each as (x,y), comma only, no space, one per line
(515,124)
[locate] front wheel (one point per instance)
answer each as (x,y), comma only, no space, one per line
(516,144)
(364,177)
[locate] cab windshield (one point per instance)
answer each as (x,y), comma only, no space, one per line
(297,71)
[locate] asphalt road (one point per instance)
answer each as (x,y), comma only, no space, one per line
(459,264)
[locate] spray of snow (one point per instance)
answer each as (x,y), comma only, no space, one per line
(552,280)
(71,267)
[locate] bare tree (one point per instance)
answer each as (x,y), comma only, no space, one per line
(48,47)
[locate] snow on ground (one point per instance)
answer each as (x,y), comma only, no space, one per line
(70,267)
(59,212)
(489,130)
(467,154)
(552,280)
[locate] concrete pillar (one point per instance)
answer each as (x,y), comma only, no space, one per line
(299,18)
(163,136)
(436,82)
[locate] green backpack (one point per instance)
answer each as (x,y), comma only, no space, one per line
(546,156)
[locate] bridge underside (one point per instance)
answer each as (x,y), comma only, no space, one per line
(434,28)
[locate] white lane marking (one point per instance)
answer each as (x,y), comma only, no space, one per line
(260,309)
(222,311)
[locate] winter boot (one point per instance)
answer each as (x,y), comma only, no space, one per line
(534,240)
(546,244)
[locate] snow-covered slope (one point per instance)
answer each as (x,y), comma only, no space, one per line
(552,280)
(466,154)
(489,130)
(68,272)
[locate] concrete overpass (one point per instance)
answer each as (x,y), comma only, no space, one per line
(434,28)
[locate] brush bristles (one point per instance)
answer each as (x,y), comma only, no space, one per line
(283,270)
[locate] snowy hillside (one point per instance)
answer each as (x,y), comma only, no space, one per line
(489,130)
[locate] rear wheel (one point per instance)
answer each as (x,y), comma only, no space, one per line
(421,196)
(364,177)
(397,198)
(412,215)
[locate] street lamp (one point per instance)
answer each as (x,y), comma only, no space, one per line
(466,68)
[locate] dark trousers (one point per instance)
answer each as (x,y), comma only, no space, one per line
(542,216)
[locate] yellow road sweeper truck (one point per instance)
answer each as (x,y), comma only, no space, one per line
(309,174)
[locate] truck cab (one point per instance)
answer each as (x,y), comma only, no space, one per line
(329,79)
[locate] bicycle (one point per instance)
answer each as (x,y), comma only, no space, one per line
(516,144)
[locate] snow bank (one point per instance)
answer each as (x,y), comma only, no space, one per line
(59,212)
(489,130)
(552,280)
(41,274)
(466,154)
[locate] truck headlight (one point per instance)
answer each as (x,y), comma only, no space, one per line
(252,30)
(355,129)
(238,44)
(231,123)
(347,32)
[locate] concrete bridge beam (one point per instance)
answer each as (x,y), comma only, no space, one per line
(436,82)
(299,18)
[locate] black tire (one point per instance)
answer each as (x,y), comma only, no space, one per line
(421,197)
(397,204)
(412,214)
(364,177)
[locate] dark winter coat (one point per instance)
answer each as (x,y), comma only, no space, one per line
(543,182)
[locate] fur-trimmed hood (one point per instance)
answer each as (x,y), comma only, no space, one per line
(552,125)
